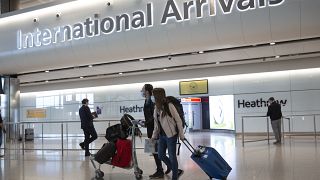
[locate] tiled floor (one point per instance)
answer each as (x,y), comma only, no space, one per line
(297,159)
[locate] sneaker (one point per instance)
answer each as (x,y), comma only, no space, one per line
(180,172)
(168,171)
(87,154)
(81,145)
(157,175)
(277,142)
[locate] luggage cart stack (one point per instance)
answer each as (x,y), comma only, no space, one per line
(134,126)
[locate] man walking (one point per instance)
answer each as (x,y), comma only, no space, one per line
(87,126)
(148,110)
(274,111)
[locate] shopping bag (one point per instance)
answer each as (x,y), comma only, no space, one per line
(151,146)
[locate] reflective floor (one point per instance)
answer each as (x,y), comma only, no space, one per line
(297,159)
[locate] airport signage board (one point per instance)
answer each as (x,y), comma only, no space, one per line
(177,10)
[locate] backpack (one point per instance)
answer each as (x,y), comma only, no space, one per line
(177,104)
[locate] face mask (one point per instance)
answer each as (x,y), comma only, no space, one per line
(153,99)
(143,94)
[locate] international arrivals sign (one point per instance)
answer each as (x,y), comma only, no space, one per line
(177,10)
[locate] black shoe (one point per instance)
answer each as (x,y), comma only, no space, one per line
(277,142)
(157,175)
(81,145)
(87,154)
(168,171)
(180,172)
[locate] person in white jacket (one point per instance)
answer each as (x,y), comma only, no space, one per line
(167,128)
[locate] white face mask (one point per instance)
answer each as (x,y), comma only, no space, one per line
(143,94)
(153,99)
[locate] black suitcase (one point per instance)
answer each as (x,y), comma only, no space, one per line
(115,132)
(107,151)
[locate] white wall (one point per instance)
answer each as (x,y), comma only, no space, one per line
(299,89)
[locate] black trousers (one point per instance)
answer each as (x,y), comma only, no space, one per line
(155,156)
(90,135)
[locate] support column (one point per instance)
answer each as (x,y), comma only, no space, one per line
(10,104)
(9,5)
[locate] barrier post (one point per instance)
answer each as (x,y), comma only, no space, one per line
(242,131)
(268,130)
(62,139)
(315,128)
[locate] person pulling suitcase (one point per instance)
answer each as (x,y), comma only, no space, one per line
(167,129)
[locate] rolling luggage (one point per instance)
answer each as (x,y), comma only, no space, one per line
(210,161)
(107,151)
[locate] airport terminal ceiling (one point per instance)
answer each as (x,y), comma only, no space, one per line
(85,39)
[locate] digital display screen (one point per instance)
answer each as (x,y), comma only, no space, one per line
(222,112)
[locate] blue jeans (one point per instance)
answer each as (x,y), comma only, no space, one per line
(171,162)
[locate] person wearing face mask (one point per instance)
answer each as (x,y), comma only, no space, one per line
(167,129)
(148,110)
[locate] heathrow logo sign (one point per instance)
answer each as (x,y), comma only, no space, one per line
(96,26)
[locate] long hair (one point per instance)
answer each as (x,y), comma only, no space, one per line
(160,98)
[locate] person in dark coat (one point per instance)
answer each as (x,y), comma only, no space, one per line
(148,110)
(274,111)
(87,126)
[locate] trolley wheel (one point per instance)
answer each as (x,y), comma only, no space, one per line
(99,174)
(140,171)
(138,176)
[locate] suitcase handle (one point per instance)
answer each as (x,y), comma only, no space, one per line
(189,146)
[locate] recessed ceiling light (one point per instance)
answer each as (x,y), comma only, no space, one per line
(90,66)
(47,81)
(272,43)
(120,73)
(141,59)
(217,62)
(47,71)
(165,69)
(201,52)
(81,77)
(277,57)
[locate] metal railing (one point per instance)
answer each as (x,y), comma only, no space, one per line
(21,126)
(283,133)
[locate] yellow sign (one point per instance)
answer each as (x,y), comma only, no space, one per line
(36,113)
(194,87)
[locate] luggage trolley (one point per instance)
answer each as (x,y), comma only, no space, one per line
(134,163)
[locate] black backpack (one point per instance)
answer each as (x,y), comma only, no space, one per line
(177,104)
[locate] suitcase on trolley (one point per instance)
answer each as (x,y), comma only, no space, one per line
(107,151)
(123,157)
(210,161)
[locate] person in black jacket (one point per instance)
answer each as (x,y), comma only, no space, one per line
(87,126)
(274,111)
(148,110)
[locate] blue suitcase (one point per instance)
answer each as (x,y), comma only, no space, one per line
(210,161)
